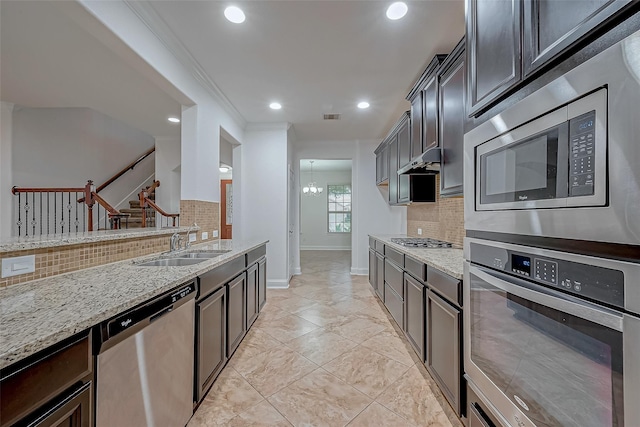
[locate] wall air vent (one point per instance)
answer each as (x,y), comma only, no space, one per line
(332,116)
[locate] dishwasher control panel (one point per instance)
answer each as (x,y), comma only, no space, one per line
(149,311)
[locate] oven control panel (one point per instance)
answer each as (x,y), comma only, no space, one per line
(589,281)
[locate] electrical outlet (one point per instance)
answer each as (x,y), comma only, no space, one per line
(205,235)
(215,233)
(419,231)
(18,265)
(192,237)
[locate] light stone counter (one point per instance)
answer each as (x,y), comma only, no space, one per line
(40,313)
(13,244)
(449,261)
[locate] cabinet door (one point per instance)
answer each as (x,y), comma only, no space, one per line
(493,46)
(393,169)
(372,268)
(74,411)
(236,312)
(404,144)
(379,167)
(380,276)
(211,332)
(385,163)
(416,135)
(252,295)
(262,283)
(443,349)
(414,313)
(550,27)
(430,114)
(452,120)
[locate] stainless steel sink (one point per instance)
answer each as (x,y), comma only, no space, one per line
(200,255)
(172,262)
(215,252)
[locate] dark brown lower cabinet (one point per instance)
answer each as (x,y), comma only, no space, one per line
(252,295)
(414,313)
(74,411)
(211,324)
(395,305)
(262,283)
(372,268)
(444,323)
(236,312)
(380,276)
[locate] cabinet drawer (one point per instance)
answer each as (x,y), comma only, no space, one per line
(393,276)
(219,276)
(416,268)
(372,243)
(37,381)
(395,305)
(379,247)
(394,255)
(257,253)
(447,286)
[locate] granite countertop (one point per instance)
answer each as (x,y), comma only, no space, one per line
(22,243)
(40,313)
(449,261)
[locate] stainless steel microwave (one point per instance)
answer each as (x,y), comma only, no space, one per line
(554,161)
(563,162)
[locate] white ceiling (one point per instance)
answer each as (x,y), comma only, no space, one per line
(311,56)
(49,60)
(325,165)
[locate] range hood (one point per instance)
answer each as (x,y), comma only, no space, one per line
(426,164)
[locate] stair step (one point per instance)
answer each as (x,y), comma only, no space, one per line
(133,212)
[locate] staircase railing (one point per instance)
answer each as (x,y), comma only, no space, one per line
(124,170)
(40,211)
(150,210)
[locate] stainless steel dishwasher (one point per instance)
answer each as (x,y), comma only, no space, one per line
(145,363)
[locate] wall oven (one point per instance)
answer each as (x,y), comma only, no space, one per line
(564,162)
(552,338)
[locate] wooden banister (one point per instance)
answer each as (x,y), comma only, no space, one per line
(125,169)
(16,190)
(160,211)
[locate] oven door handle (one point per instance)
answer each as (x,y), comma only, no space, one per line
(548,297)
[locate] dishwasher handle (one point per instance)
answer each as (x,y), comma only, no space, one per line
(128,323)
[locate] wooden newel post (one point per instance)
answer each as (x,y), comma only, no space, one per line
(89,188)
(143,206)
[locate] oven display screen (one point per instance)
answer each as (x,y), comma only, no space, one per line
(521,264)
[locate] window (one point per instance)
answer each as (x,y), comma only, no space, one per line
(339,200)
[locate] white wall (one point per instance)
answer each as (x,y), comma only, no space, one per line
(6,124)
(263,211)
(371,213)
(168,173)
(314,213)
(201,123)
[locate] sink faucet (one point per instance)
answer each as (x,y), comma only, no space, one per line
(192,228)
(174,243)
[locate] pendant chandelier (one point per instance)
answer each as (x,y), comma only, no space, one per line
(312,189)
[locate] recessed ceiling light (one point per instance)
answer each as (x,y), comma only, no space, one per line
(363,104)
(275,106)
(397,10)
(174,119)
(234,14)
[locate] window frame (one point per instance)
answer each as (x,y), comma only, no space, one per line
(329,211)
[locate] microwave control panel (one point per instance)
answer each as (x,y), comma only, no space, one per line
(601,284)
(582,154)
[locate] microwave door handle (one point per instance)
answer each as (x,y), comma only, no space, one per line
(550,298)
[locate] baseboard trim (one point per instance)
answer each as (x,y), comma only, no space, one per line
(277,284)
(296,271)
(325,248)
(359,271)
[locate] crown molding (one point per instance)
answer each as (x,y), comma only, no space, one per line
(159,27)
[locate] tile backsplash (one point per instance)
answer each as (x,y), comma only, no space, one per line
(205,214)
(442,220)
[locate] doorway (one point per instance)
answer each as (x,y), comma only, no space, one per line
(226,209)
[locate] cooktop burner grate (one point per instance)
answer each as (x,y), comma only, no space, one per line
(421,242)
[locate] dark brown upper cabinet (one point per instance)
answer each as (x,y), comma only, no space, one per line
(382,163)
(424,109)
(452,118)
(550,27)
(393,168)
(493,50)
(511,42)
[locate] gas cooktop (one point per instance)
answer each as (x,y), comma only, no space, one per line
(421,242)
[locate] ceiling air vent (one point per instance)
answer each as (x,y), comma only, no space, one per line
(332,116)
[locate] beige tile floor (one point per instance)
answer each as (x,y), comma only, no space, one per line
(324,353)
